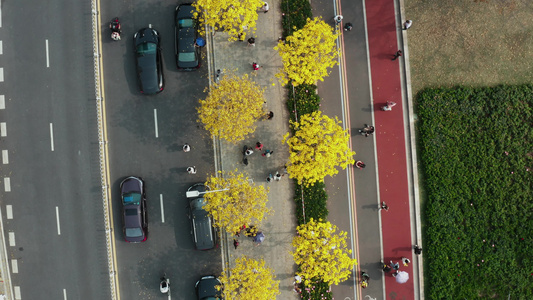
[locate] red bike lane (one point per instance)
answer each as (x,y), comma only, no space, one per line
(390,143)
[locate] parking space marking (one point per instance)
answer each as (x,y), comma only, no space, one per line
(5,157)
(155,120)
(47,56)
(7,184)
(52,136)
(162,208)
(17,292)
(3,129)
(57,219)
(12,239)
(2,102)
(14,266)
(9,212)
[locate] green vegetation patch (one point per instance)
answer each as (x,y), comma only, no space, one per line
(314,202)
(475,146)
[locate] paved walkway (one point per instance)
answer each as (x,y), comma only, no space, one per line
(394,163)
(279,228)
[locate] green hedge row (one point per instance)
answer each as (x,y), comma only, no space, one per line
(476,154)
(303,100)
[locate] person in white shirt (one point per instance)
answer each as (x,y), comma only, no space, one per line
(407,24)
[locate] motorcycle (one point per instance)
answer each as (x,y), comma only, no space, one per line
(114,25)
(164,285)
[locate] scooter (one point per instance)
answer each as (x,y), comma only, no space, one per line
(114,25)
(164,285)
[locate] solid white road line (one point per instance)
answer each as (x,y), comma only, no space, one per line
(57,219)
(65,294)
(9,212)
(12,239)
(7,184)
(2,102)
(52,136)
(162,208)
(17,292)
(5,157)
(3,129)
(155,120)
(14,266)
(47,56)
(1,48)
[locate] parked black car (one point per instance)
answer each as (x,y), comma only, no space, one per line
(186,31)
(204,234)
(147,43)
(135,223)
(206,288)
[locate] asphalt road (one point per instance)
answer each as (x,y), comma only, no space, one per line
(137,146)
(353,194)
(57,242)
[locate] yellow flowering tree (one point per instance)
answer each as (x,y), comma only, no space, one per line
(321,253)
(237,202)
(308,53)
(235,17)
(232,107)
(249,280)
(319,145)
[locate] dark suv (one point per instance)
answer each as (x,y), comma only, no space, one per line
(148,60)
(204,234)
(186,31)
(134,221)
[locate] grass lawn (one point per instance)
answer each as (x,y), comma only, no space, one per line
(474,144)
(470,42)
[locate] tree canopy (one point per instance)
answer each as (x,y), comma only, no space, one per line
(250,280)
(236,17)
(317,147)
(232,107)
(321,253)
(239,201)
(308,53)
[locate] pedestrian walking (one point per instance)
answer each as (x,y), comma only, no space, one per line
(398,54)
(251,41)
(265,7)
(386,268)
(338,19)
(191,170)
(348,27)
(255,66)
(418,250)
(267,153)
(360,165)
(388,106)
(395,273)
(269,178)
(270,115)
(406,261)
(384,206)
(394,266)
(364,279)
(235,243)
(248,151)
(285,172)
(367,130)
(258,146)
(200,42)
(186,148)
(277,177)
(407,24)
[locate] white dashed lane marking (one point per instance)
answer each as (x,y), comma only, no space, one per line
(5,157)
(7,184)
(9,212)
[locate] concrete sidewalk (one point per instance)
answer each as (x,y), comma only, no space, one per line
(279,227)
